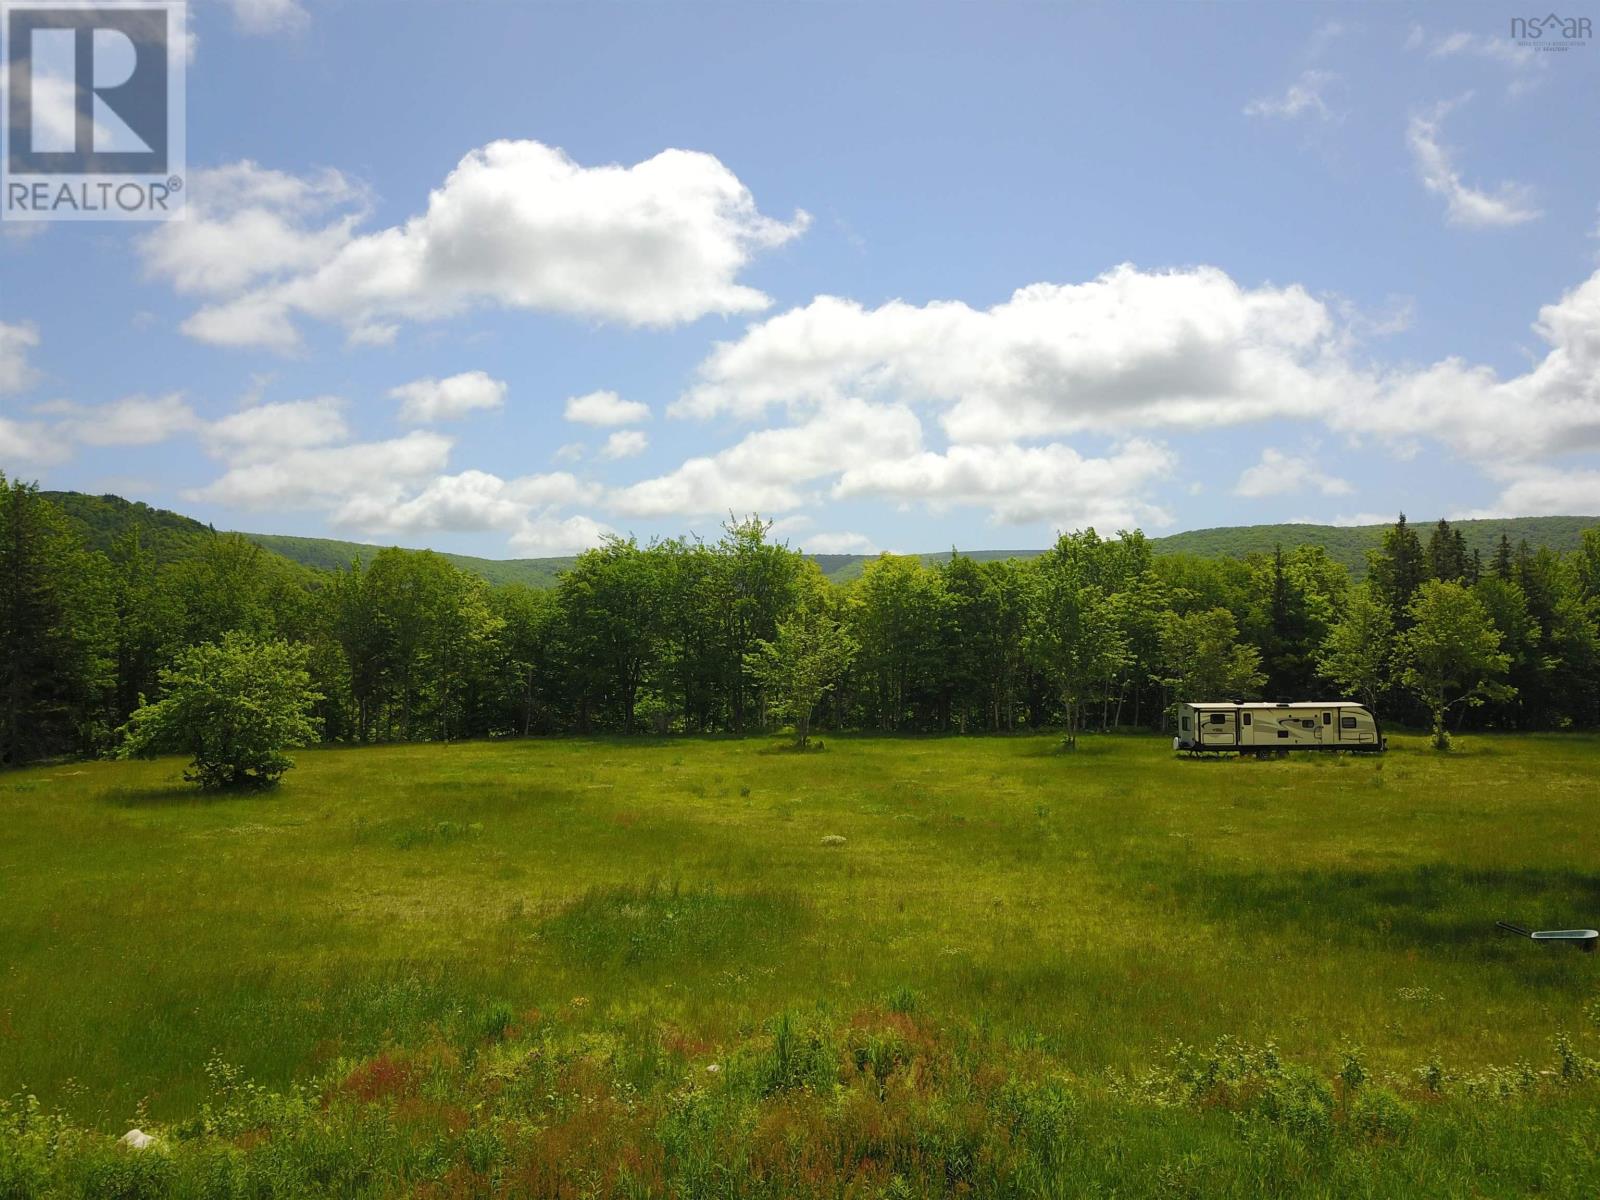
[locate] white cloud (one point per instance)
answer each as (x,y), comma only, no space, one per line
(427,400)
(1531,490)
(606,408)
(1126,351)
(1022,484)
(760,473)
(542,536)
(1280,474)
(624,443)
(840,543)
(527,509)
(321,477)
(263,432)
(570,452)
(1500,49)
(1362,518)
(1303,97)
(30,442)
(1509,204)
(1553,408)
(16,373)
(245,224)
(130,421)
(260,17)
(1522,61)
(1123,354)
(520,225)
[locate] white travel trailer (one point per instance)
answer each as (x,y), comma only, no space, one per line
(1262,727)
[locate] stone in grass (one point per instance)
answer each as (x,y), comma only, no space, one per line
(832,839)
(138,1139)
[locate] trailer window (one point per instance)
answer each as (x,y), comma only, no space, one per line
(1186,722)
(1219,719)
(1327,718)
(1247,718)
(1283,733)
(1347,722)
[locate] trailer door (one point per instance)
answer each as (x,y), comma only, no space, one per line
(1219,729)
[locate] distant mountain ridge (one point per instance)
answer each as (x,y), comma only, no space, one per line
(172,535)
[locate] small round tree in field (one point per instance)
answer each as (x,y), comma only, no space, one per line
(236,706)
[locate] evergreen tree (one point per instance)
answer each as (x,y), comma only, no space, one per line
(1447,553)
(1397,569)
(55,631)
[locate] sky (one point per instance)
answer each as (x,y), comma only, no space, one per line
(505,278)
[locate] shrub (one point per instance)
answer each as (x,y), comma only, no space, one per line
(234,705)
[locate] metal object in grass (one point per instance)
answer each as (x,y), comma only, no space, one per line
(1583,939)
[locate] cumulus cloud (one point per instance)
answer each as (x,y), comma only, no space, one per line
(1509,204)
(559,535)
(30,442)
(261,17)
(1125,355)
(1130,349)
(606,408)
(130,421)
(16,341)
(1280,474)
(527,509)
(470,501)
(1545,491)
(245,224)
(1552,408)
(327,476)
(1349,520)
(1023,484)
(424,401)
(520,225)
(264,431)
(762,472)
(840,543)
(1304,97)
(624,443)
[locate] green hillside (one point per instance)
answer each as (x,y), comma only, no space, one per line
(103,519)
(1349,543)
(171,535)
(331,554)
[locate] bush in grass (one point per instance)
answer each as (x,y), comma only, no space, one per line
(235,705)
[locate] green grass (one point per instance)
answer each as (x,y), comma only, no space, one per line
(1008,934)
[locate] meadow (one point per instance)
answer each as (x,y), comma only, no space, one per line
(895,967)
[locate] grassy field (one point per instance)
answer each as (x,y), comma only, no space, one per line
(651,967)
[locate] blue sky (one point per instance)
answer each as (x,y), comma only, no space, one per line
(1282,262)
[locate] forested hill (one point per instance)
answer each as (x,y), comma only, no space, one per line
(170,536)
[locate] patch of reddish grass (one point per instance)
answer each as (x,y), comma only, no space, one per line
(381,1077)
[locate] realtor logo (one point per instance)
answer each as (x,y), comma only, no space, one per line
(1551,32)
(93,110)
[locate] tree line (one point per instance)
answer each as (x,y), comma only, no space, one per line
(742,634)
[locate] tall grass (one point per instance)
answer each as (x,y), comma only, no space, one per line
(446,925)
